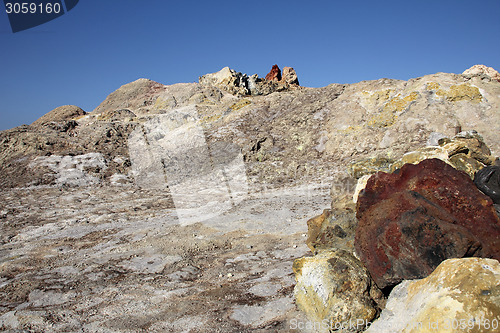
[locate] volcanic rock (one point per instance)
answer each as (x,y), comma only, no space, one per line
(228,80)
(413,219)
(274,74)
(333,287)
(488,181)
(460,295)
(289,76)
(132,96)
(483,70)
(60,114)
(334,228)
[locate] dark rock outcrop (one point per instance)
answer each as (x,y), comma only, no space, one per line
(488,181)
(415,218)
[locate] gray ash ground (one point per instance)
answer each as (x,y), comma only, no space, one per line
(116,259)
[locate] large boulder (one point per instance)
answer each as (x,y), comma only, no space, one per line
(413,219)
(461,295)
(334,288)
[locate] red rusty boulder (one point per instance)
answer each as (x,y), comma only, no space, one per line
(274,74)
(418,216)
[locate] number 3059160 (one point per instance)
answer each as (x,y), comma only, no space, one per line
(32,8)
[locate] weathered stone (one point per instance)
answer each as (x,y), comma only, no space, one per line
(488,181)
(461,295)
(466,152)
(334,228)
(418,156)
(369,166)
(116,115)
(227,79)
(289,76)
(360,186)
(472,144)
(466,164)
(60,114)
(334,287)
(413,219)
(483,70)
(274,74)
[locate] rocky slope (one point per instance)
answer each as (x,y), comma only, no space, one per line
(165,201)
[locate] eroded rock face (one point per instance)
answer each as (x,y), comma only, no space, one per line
(227,79)
(274,74)
(466,151)
(237,83)
(413,219)
(334,287)
(483,70)
(334,228)
(461,294)
(289,76)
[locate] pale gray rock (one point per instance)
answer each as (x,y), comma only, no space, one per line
(227,79)
(289,76)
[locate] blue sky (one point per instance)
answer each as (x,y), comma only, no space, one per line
(82,56)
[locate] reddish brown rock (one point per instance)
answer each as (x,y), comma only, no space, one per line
(413,219)
(274,74)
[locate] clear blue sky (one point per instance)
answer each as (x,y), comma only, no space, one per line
(82,56)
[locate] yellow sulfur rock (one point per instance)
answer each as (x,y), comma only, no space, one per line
(461,295)
(389,114)
(334,287)
(240,104)
(461,92)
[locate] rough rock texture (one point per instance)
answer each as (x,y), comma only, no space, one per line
(308,132)
(461,295)
(488,181)
(466,151)
(274,74)
(334,228)
(412,220)
(240,84)
(60,114)
(483,70)
(227,79)
(289,76)
(117,259)
(83,244)
(335,288)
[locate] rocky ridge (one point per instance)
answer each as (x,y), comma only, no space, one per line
(199,193)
